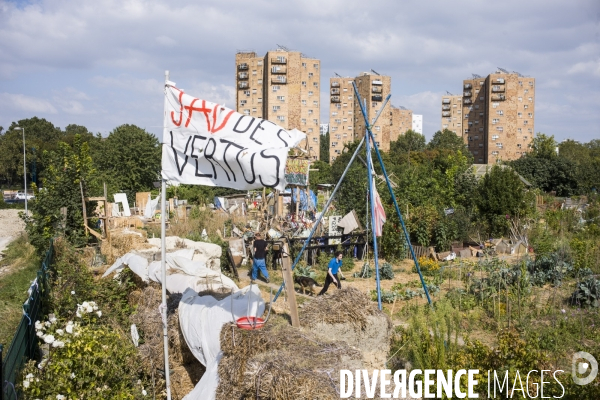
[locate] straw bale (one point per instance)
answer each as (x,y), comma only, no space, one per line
(350,316)
(346,306)
(122,241)
(281,362)
(186,370)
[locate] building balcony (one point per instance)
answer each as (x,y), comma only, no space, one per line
(243,66)
(468,86)
(446,114)
(278,70)
(467,94)
(499,81)
(279,80)
(243,75)
(446,108)
(467,101)
(278,60)
(498,97)
(335,99)
(377,82)
(335,91)
(243,85)
(445,101)
(335,84)
(377,98)
(498,89)
(376,89)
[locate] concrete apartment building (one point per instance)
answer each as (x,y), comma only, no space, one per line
(401,121)
(282,87)
(346,122)
(374,89)
(417,123)
(341,114)
(452,113)
(498,116)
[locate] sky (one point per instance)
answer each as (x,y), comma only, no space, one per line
(101,63)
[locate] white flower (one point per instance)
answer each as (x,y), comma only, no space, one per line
(49,339)
(144,392)
(52,318)
(47,323)
(58,343)
(99,313)
(70,323)
(38,325)
(60,332)
(72,375)
(60,397)
(39,334)
(85,304)
(29,376)
(78,313)
(69,328)
(26,383)
(89,309)
(72,292)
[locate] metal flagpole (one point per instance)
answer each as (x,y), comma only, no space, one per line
(387,180)
(163,256)
(372,201)
(337,186)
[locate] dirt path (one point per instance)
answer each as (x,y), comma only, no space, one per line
(11,226)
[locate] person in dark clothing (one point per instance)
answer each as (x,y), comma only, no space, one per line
(260,252)
(332,273)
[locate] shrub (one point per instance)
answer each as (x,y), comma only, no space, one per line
(587,293)
(386,271)
(84,359)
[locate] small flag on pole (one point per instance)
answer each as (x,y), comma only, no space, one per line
(379,213)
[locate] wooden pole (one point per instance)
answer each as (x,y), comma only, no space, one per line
(297,201)
(288,281)
(85,225)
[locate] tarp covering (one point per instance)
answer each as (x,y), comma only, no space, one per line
(201,319)
(306,202)
(182,272)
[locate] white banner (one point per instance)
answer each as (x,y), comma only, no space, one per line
(208,144)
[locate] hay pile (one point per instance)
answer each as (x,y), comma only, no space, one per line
(344,306)
(350,315)
(281,362)
(186,370)
(122,241)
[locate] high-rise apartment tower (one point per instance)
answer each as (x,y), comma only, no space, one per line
(282,87)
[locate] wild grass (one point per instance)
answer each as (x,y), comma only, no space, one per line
(20,264)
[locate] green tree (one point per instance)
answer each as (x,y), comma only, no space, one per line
(557,174)
(323,175)
(129,159)
(324,148)
(67,167)
(411,141)
(500,197)
(447,140)
(40,135)
(544,146)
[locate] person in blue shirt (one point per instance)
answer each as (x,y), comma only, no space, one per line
(332,273)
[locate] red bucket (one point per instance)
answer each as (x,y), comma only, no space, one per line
(250,323)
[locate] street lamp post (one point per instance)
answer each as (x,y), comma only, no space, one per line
(24,166)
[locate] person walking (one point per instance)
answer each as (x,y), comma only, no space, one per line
(332,273)
(258,263)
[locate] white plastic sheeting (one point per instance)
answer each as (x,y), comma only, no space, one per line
(201,319)
(209,253)
(182,272)
(151,206)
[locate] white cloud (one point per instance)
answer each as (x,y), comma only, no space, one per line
(20,102)
(112,53)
